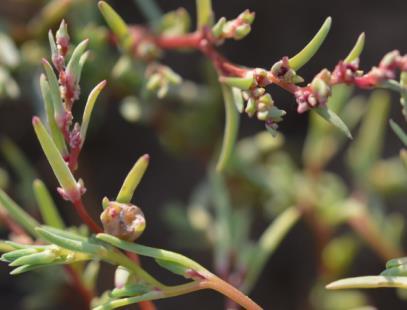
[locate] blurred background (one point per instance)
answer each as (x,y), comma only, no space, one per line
(181,138)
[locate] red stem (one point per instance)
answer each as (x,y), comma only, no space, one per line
(86,294)
(84,215)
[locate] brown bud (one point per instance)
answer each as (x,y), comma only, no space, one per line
(125,221)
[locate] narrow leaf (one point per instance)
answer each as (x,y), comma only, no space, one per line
(18,214)
(204,13)
(89,108)
(47,206)
(299,60)
(13,255)
(399,132)
(172,267)
(242,83)
(117,303)
(74,67)
(88,246)
(357,49)
(268,243)
(116,23)
(231,129)
(40,258)
(332,118)
(133,179)
(90,274)
(368,282)
(55,132)
(130,290)
(238,99)
(54,88)
(150,252)
(58,165)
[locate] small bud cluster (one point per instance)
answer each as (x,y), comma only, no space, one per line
(282,71)
(160,78)
(75,194)
(261,104)
(125,221)
(350,73)
(237,28)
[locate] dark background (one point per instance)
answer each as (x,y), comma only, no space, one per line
(282,27)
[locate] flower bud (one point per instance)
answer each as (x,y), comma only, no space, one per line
(62,39)
(247,17)
(266,99)
(125,221)
(262,115)
(217,30)
(242,31)
(250,107)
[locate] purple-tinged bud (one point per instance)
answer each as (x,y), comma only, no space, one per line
(271,127)
(125,221)
(62,39)
(390,60)
(345,72)
(75,139)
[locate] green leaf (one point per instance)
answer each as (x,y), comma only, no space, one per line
(89,108)
(18,214)
(130,290)
(366,149)
(242,83)
(357,49)
(90,274)
(332,118)
(52,44)
(267,244)
(172,266)
(117,24)
(65,241)
(399,132)
(150,252)
(133,179)
(231,129)
(113,304)
(204,13)
(54,88)
(40,258)
(299,60)
(368,282)
(396,262)
(16,254)
(55,132)
(47,206)
(58,165)
(400,270)
(74,67)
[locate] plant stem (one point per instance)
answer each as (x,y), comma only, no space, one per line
(84,215)
(86,294)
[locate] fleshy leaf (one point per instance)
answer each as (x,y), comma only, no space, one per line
(116,23)
(74,67)
(333,119)
(49,109)
(117,303)
(18,214)
(47,206)
(204,13)
(64,240)
(58,165)
(357,49)
(238,99)
(172,266)
(133,179)
(54,88)
(299,60)
(231,129)
(242,83)
(368,282)
(130,290)
(89,108)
